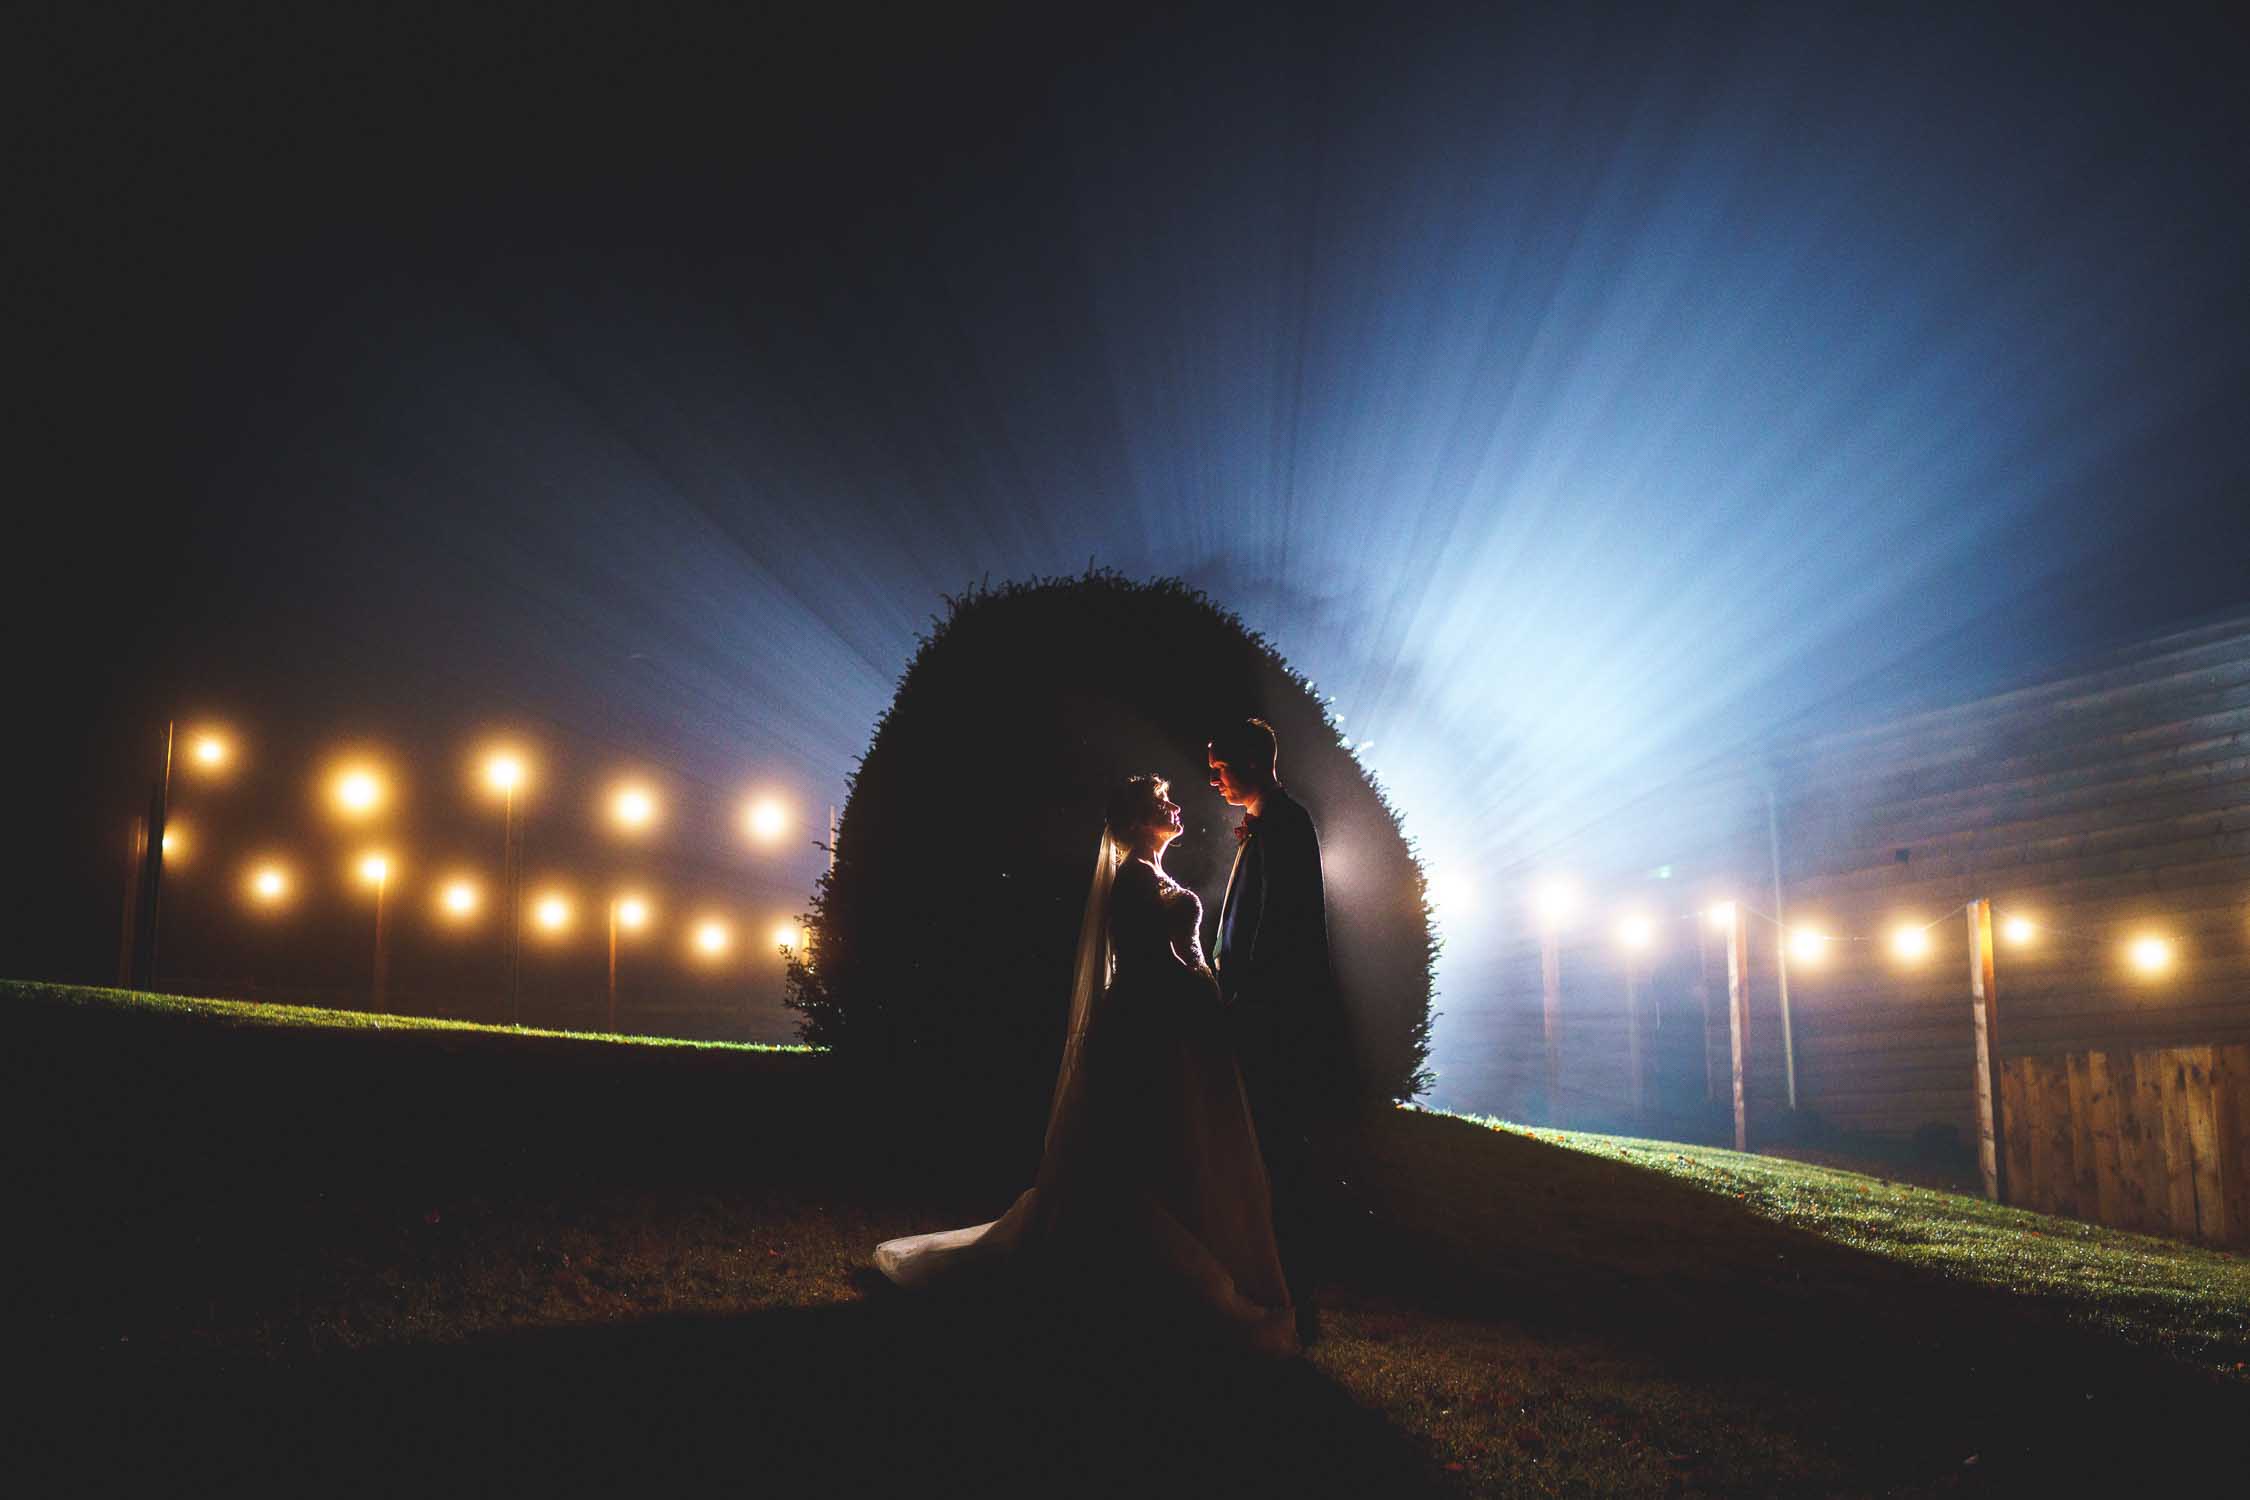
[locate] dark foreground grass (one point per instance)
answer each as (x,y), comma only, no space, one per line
(340,1258)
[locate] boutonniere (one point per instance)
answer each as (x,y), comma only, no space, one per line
(1242,830)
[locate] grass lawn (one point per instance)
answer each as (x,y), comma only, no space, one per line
(260,1244)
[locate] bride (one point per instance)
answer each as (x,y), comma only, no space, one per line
(1150,1176)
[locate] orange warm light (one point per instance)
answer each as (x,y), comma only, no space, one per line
(460,899)
(2150,954)
(765,819)
(633,807)
(359,791)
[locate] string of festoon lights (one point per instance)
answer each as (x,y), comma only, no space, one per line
(357,790)
(1557,901)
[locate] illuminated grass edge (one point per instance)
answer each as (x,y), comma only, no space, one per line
(309,1017)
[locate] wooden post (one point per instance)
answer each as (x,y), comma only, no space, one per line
(1738,1020)
(1633,1032)
(382,951)
(1550,986)
(1984,1012)
(1703,998)
(128,932)
(1781,951)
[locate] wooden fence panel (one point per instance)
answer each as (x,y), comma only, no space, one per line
(2148,1089)
(2203,1144)
(2086,1186)
(2132,1160)
(2179,1153)
(2156,1140)
(2016,1132)
(2230,1087)
(2102,1141)
(2062,1141)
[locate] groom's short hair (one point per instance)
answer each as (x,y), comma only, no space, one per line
(1247,746)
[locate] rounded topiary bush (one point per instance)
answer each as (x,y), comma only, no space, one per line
(942,939)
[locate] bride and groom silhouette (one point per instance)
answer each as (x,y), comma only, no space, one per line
(1183,1160)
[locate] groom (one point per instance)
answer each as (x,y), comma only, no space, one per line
(1287,1017)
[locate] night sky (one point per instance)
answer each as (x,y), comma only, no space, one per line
(1577,393)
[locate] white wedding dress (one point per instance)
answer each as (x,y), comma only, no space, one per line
(1150,1175)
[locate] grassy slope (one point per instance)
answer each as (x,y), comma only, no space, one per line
(576,1259)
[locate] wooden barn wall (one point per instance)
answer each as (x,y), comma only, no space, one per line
(2105,804)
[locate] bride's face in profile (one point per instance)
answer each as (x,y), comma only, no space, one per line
(1163,824)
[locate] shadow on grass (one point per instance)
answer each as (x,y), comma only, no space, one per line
(1907,1372)
(884,1396)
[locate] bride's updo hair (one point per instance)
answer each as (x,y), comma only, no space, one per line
(1132,806)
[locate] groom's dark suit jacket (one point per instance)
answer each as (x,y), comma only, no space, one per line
(1273,966)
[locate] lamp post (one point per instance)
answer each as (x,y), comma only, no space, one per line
(151,883)
(209,752)
(504,773)
(630,913)
(375,869)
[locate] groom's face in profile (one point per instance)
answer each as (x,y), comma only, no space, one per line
(1222,777)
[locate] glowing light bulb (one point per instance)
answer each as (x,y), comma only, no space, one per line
(460,899)
(1721,915)
(1911,942)
(269,883)
(504,770)
(1556,900)
(787,936)
(634,807)
(209,751)
(551,912)
(712,938)
(765,818)
(1808,944)
(1636,931)
(358,792)
(375,868)
(632,913)
(2150,955)
(2018,930)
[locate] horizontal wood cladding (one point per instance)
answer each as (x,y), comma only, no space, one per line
(2215,656)
(2102,805)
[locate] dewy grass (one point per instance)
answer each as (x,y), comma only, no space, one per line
(1528,1311)
(267,1013)
(2188,1299)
